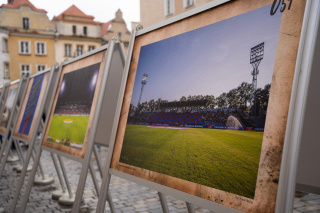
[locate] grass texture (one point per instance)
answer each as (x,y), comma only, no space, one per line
(227,160)
(74,131)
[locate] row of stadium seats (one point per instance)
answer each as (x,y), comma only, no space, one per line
(204,117)
(73,110)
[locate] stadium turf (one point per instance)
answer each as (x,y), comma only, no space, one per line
(74,131)
(223,159)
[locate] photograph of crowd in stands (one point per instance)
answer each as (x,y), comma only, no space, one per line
(200,100)
(69,123)
(8,107)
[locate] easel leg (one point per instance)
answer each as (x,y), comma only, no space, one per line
(109,198)
(104,193)
(5,157)
(163,202)
(33,158)
(97,156)
(67,199)
(58,193)
(30,181)
(44,179)
(190,207)
(94,178)
(19,152)
(12,157)
(21,157)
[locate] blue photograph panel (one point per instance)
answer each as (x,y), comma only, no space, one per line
(31,105)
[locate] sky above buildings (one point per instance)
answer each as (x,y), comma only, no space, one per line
(210,60)
(102,10)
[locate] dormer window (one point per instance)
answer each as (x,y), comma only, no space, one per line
(84,30)
(25,23)
(74,29)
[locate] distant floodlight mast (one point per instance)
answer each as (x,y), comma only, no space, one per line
(256,56)
(143,83)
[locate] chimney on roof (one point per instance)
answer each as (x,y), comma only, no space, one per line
(10,1)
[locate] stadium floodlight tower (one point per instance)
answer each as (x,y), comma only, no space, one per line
(143,83)
(256,56)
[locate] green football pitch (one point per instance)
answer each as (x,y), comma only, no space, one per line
(69,127)
(223,159)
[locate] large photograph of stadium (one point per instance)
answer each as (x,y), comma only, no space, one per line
(69,125)
(30,106)
(206,104)
(201,117)
(8,106)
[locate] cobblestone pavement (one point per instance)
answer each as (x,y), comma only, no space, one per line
(127,196)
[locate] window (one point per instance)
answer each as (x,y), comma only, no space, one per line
(41,48)
(188,3)
(85,30)
(91,48)
(119,34)
(168,7)
(6,71)
(41,68)
(5,45)
(25,70)
(25,23)
(67,50)
(25,47)
(79,50)
(74,29)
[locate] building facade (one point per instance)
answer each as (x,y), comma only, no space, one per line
(116,27)
(76,33)
(4,56)
(30,42)
(152,12)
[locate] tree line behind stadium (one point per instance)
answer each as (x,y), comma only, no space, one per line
(206,110)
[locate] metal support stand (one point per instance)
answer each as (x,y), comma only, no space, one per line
(94,179)
(40,123)
(163,201)
(21,180)
(18,168)
(68,199)
(190,207)
(58,193)
(12,157)
(19,152)
(97,156)
(43,179)
(109,197)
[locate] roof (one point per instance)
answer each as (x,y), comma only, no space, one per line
(76,12)
(18,3)
(104,27)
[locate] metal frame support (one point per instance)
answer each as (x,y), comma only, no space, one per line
(7,137)
(58,193)
(66,199)
(52,84)
(163,201)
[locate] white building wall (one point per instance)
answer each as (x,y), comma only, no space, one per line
(4,56)
(65,28)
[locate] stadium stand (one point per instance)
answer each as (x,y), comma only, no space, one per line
(214,118)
